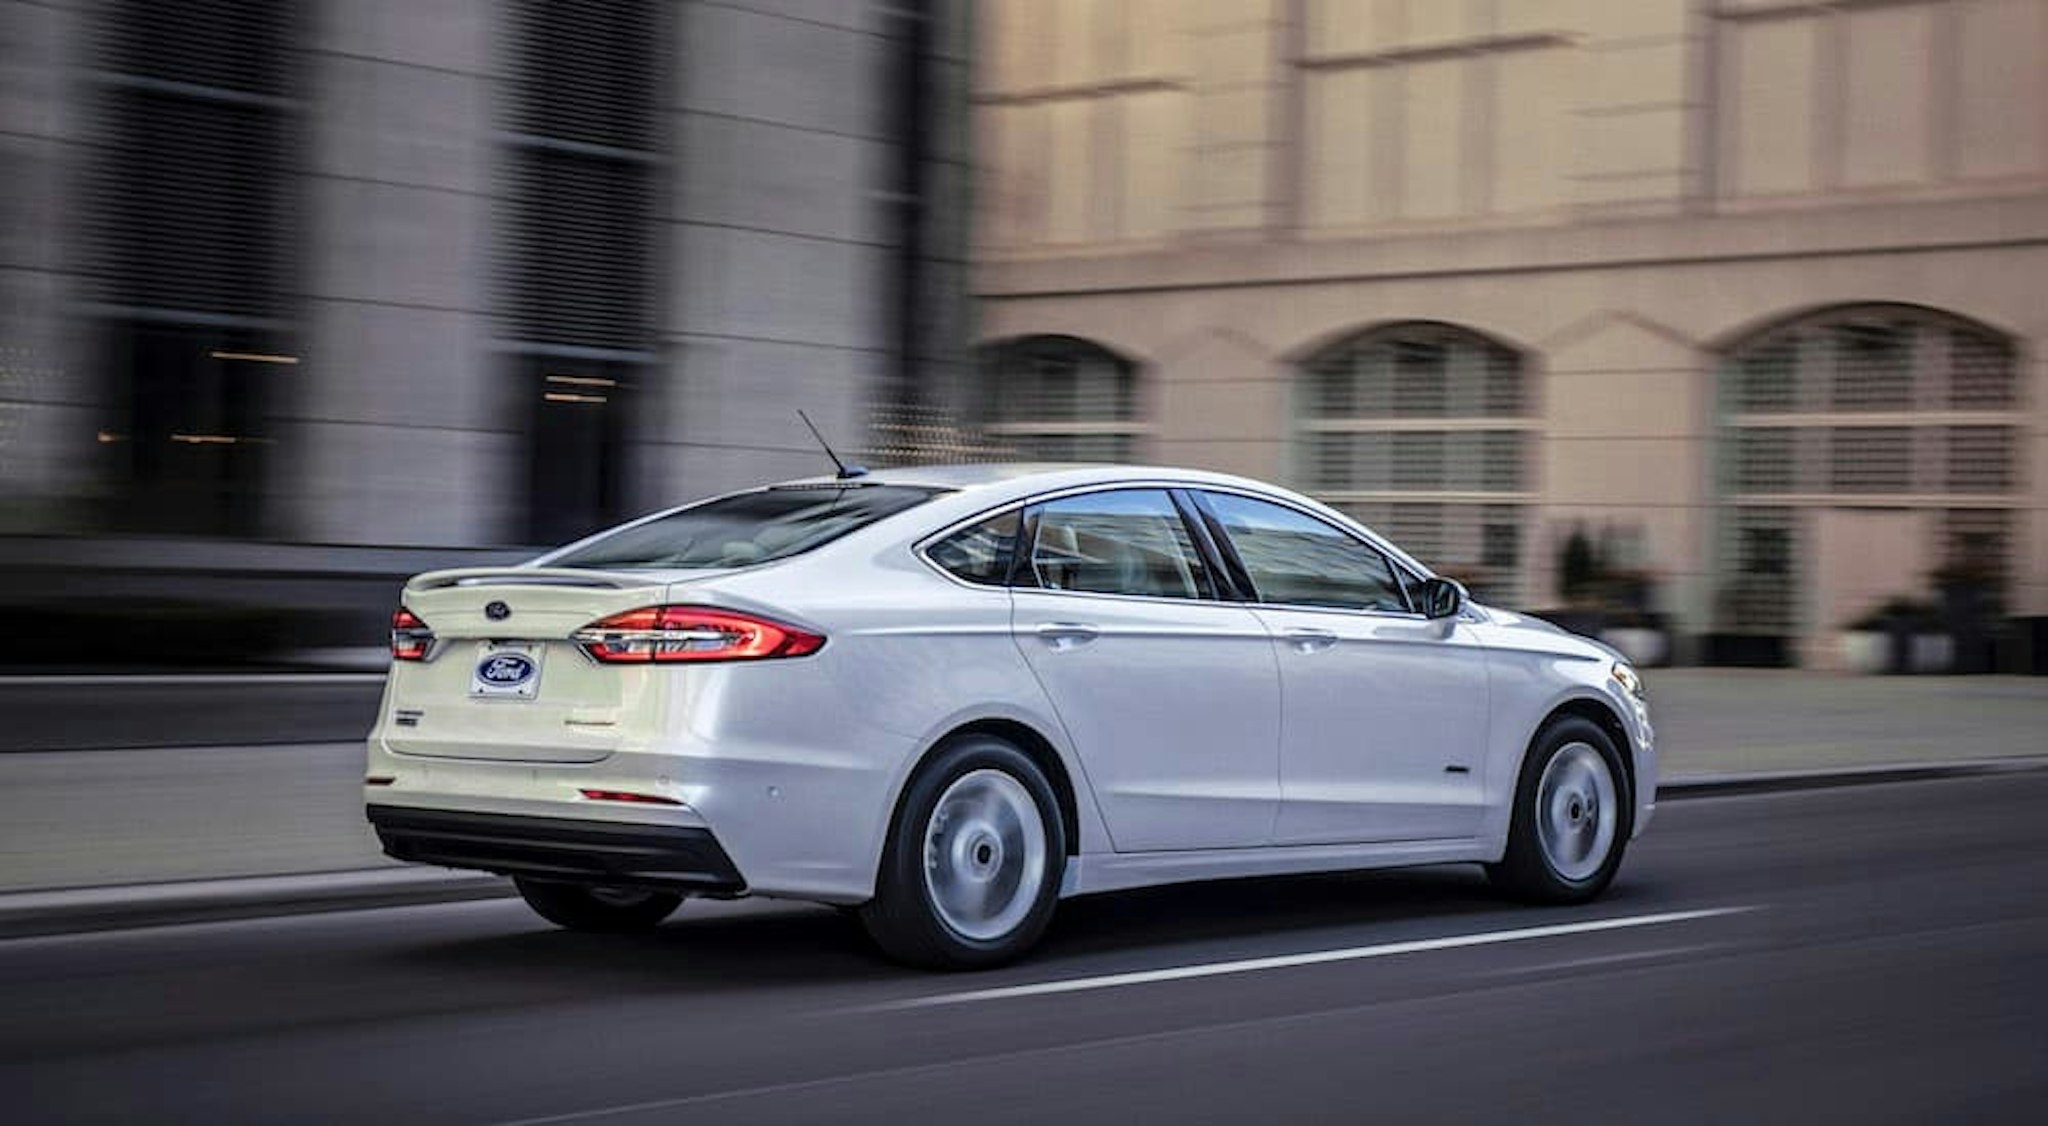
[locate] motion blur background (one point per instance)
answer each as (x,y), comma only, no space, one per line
(1712,325)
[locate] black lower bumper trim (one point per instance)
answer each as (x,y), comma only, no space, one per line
(655,856)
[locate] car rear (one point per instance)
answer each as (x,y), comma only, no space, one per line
(586,718)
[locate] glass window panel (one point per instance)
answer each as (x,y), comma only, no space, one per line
(1125,541)
(1295,559)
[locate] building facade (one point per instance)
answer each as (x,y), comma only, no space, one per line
(447,273)
(1744,292)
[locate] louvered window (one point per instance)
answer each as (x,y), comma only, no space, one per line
(1056,398)
(1423,430)
(1802,426)
(187,216)
(585,152)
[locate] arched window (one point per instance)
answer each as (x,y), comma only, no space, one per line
(1880,407)
(1058,398)
(1423,430)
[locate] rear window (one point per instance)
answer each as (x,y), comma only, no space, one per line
(749,528)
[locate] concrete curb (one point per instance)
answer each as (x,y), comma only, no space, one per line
(25,914)
(1785,781)
(125,907)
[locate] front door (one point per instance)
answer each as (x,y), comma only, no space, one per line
(1383,733)
(1170,697)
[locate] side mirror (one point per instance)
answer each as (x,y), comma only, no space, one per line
(1442,598)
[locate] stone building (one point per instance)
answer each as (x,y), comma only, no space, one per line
(1750,290)
(445,273)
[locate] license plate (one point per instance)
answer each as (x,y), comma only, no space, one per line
(510,672)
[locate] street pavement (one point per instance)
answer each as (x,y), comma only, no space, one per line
(1869,954)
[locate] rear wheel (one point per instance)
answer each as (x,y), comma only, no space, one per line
(606,910)
(1570,822)
(974,859)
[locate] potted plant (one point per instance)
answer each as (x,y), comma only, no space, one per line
(1638,636)
(1865,644)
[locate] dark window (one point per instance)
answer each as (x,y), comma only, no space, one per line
(584,174)
(187,210)
(746,528)
(980,554)
(1295,559)
(1126,541)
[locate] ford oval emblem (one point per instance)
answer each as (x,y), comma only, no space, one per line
(497,611)
(505,670)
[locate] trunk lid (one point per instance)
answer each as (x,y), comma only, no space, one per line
(503,680)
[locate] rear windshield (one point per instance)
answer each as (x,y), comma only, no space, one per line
(748,528)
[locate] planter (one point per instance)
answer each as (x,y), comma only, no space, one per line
(1865,651)
(1643,647)
(1931,652)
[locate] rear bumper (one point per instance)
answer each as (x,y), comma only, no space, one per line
(673,858)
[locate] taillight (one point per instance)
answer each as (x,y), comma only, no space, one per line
(692,633)
(410,637)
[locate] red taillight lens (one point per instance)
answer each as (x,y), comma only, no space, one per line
(410,637)
(692,633)
(628,797)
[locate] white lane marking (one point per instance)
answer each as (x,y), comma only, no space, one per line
(1312,958)
(155,680)
(912,1071)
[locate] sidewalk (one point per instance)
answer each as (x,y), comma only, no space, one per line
(96,838)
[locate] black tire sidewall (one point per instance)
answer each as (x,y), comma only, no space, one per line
(1526,869)
(575,907)
(902,918)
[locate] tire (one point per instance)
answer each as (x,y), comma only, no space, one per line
(601,910)
(971,869)
(1572,816)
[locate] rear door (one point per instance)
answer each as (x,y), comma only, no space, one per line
(1384,732)
(502,679)
(1170,697)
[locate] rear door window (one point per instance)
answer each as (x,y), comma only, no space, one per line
(746,528)
(1124,541)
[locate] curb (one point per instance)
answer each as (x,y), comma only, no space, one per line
(128,907)
(1788,781)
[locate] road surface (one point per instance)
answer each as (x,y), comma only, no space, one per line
(1866,954)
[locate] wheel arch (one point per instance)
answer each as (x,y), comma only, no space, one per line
(1035,747)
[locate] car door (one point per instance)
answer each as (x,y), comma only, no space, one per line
(1384,726)
(1169,696)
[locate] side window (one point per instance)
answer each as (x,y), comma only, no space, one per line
(981,553)
(1126,541)
(1296,559)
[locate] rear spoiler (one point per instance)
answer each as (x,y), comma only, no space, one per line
(529,576)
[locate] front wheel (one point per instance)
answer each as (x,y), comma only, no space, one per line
(974,860)
(1571,817)
(605,910)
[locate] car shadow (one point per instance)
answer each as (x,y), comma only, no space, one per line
(708,951)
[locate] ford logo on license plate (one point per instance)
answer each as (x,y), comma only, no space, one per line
(506,670)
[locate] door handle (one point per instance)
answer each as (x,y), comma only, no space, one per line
(1310,640)
(1067,635)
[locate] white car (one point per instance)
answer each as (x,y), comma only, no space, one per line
(950,697)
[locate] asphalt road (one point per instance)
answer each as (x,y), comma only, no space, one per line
(1877,957)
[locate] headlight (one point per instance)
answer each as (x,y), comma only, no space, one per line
(1627,678)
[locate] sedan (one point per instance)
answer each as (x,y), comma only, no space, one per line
(947,698)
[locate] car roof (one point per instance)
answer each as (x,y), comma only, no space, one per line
(1028,477)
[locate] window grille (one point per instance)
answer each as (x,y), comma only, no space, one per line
(1368,444)
(1057,398)
(1935,375)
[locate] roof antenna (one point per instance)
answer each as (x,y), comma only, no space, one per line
(846,472)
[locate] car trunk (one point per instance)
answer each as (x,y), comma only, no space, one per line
(503,680)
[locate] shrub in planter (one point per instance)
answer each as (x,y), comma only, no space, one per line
(1639,637)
